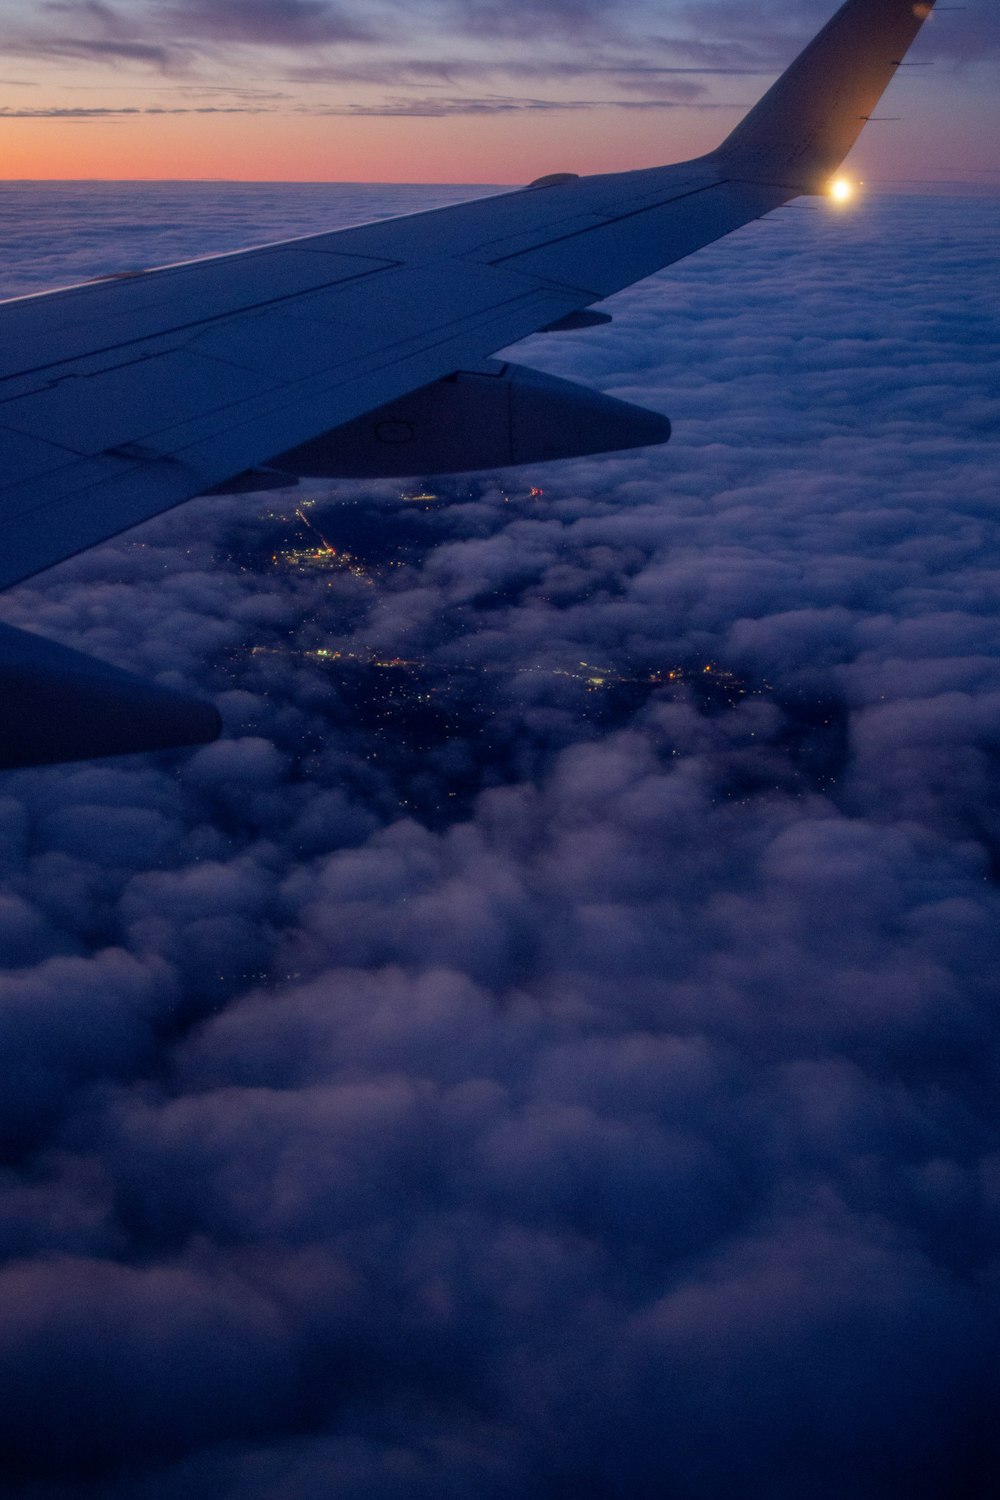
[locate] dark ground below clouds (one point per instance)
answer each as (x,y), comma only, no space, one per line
(443,724)
(498,1067)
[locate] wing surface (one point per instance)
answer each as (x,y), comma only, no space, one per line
(123,398)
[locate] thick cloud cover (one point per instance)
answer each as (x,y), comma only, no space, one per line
(510,1070)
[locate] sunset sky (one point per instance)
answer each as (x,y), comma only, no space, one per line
(449,90)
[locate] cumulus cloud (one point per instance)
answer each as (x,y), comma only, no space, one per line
(499,1067)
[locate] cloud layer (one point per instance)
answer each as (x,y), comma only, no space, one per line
(498,1067)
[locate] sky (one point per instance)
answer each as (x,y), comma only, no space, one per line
(497,1067)
(467,91)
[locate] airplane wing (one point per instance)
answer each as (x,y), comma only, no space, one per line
(361,351)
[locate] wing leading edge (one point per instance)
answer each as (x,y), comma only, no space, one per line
(122,399)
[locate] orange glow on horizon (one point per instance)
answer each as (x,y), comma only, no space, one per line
(510,148)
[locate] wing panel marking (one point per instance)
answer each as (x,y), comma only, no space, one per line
(613,208)
(413,302)
(607,259)
(272,424)
(43,331)
(29,457)
(92,413)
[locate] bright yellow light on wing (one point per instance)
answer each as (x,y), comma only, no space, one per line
(841,190)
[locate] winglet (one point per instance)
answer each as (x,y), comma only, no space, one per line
(809,119)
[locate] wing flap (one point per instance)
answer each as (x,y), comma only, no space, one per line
(93,413)
(285,347)
(30,457)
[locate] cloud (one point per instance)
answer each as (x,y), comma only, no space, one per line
(283,23)
(493,104)
(99,112)
(90,31)
(171,37)
(97,49)
(776,30)
(499,1067)
(465,44)
(560,18)
(396,69)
